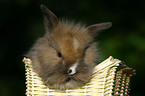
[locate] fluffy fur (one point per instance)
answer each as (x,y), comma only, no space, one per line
(64,45)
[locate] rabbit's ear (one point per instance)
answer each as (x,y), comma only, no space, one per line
(93,29)
(50,20)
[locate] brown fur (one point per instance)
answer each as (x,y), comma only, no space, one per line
(63,36)
(74,43)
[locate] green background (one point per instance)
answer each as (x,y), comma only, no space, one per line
(21,23)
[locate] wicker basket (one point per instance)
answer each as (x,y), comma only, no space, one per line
(109,78)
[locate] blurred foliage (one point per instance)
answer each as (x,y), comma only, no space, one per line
(21,23)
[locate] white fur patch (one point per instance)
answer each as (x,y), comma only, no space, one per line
(73,68)
(76,43)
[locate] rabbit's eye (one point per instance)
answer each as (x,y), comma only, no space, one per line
(58,54)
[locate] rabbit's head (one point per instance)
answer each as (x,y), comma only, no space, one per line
(65,57)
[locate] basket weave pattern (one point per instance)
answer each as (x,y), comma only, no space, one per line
(108,79)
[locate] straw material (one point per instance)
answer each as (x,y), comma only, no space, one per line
(109,78)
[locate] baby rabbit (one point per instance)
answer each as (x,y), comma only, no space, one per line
(65,57)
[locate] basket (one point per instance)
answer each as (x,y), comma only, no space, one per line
(109,78)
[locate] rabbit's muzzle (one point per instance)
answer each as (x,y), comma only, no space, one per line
(72,69)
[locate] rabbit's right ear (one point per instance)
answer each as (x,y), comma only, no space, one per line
(50,20)
(94,29)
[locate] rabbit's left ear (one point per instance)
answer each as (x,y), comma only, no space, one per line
(50,20)
(94,29)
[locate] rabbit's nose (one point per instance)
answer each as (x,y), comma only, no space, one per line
(69,71)
(72,70)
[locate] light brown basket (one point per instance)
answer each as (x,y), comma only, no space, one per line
(109,78)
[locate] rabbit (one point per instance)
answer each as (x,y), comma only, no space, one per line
(65,56)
